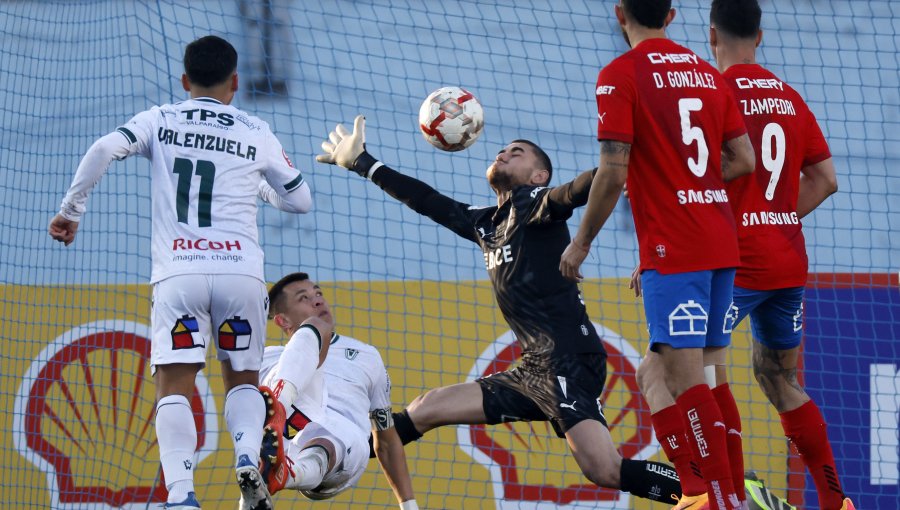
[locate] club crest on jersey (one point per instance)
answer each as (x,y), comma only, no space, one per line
(186,333)
(351,354)
(661,250)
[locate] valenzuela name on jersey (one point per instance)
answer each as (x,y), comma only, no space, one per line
(207,142)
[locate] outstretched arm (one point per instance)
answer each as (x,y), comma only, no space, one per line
(392,458)
(563,199)
(348,150)
(93,165)
(605,190)
(817,182)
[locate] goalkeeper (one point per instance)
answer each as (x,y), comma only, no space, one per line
(563,367)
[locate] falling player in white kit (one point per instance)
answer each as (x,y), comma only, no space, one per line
(209,161)
(331,386)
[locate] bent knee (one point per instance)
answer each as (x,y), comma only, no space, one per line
(603,474)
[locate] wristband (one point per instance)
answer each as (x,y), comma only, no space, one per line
(365,164)
(409,505)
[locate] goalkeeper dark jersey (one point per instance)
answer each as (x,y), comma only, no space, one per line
(522,240)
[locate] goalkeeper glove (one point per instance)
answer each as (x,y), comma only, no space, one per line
(348,150)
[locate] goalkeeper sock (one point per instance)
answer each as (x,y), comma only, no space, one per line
(651,480)
(405,428)
(245,415)
(176,435)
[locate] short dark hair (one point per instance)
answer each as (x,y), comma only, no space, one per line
(737,18)
(649,13)
(276,293)
(542,157)
(209,61)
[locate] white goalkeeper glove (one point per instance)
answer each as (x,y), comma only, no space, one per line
(344,148)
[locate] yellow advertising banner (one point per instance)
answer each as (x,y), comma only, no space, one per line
(79,433)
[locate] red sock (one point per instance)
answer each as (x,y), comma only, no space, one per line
(670,434)
(705,431)
(805,427)
(732,418)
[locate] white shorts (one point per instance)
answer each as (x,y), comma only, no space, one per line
(188,310)
(351,447)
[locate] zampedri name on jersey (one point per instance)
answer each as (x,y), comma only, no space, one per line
(207,142)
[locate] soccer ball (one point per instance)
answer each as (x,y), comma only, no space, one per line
(451,118)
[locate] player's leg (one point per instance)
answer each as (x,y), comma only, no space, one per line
(670,431)
(777,330)
(722,319)
(180,328)
(237,314)
(447,405)
(677,308)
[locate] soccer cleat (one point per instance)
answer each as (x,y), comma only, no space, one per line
(276,416)
(759,497)
(848,505)
(275,465)
(254,495)
(189,503)
(698,502)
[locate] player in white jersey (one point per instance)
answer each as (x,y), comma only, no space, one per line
(209,162)
(332,386)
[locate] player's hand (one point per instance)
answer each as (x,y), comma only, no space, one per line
(635,283)
(570,262)
(342,147)
(62,230)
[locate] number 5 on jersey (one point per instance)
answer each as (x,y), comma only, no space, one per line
(184,169)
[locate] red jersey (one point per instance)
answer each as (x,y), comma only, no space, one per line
(675,110)
(786,138)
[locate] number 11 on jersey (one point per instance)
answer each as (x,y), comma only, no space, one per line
(184,169)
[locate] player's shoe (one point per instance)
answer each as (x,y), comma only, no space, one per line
(698,502)
(848,505)
(275,466)
(276,416)
(254,495)
(759,497)
(190,503)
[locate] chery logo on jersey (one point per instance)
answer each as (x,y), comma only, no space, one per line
(528,463)
(84,415)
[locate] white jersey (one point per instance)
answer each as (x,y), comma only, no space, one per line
(208,162)
(357,383)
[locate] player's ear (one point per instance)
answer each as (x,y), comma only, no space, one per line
(669,17)
(185,82)
(620,14)
(758,38)
(281,321)
(540,177)
(234,82)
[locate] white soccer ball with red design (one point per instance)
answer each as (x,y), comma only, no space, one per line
(451,118)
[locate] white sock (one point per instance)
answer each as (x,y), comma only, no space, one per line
(177,438)
(310,468)
(245,415)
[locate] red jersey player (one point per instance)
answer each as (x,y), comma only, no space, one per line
(679,116)
(794,175)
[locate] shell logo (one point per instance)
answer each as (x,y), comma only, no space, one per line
(84,415)
(530,467)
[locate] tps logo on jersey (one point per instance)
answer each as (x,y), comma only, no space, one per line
(84,416)
(186,333)
(532,468)
(234,334)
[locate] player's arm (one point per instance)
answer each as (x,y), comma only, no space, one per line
(604,193)
(389,450)
(283,186)
(563,199)
(817,182)
(738,157)
(116,145)
(347,150)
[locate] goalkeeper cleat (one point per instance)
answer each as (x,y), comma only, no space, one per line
(698,502)
(759,497)
(275,465)
(254,495)
(848,505)
(189,503)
